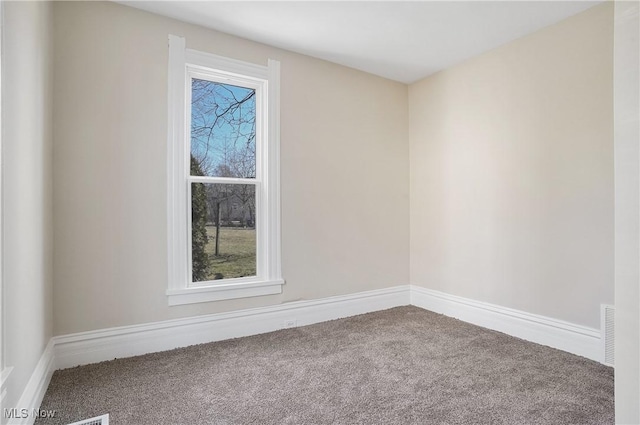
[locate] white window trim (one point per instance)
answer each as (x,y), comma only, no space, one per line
(183,63)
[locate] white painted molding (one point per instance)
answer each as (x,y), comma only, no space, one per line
(185,65)
(126,341)
(36,387)
(575,339)
(107,344)
(223,292)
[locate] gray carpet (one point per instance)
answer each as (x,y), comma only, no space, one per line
(400,366)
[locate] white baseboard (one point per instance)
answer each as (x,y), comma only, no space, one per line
(36,388)
(559,334)
(107,344)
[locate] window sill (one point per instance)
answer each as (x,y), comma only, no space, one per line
(223,292)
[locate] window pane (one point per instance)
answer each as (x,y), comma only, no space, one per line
(223,231)
(223,130)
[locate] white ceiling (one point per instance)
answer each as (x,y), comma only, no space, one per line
(402,41)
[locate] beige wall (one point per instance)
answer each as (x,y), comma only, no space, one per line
(345,202)
(511,157)
(26,189)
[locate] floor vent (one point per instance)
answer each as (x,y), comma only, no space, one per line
(607,328)
(98,420)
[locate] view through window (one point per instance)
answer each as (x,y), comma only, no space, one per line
(223,181)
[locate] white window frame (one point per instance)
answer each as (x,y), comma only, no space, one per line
(185,64)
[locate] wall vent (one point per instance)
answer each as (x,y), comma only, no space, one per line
(98,420)
(607,329)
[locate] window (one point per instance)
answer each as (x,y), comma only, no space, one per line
(223,179)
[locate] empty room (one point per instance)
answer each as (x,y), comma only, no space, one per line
(367,212)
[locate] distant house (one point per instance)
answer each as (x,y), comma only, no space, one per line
(236,207)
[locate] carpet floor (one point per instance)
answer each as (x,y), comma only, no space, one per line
(399,366)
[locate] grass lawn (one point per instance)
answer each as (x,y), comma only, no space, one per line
(237,257)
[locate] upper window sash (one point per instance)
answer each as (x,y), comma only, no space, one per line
(260,85)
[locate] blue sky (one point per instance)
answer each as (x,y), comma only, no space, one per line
(221,133)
